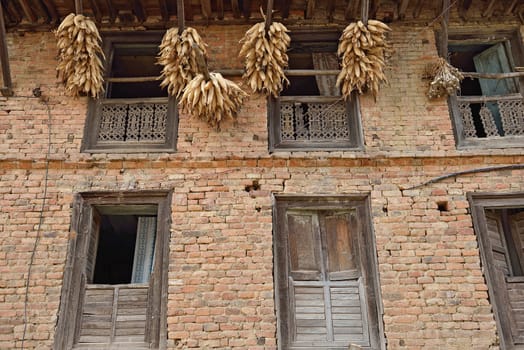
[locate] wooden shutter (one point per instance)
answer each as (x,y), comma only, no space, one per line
(326,296)
(515,286)
(498,243)
(495,60)
(92,246)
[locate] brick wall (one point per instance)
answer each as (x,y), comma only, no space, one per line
(220,277)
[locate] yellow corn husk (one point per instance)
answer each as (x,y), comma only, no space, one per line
(363,50)
(445,79)
(80,66)
(179,59)
(212,100)
(265,57)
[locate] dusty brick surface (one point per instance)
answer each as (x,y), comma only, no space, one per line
(433,292)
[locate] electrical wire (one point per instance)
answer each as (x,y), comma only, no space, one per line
(40,221)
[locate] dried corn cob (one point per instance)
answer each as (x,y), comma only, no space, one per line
(80,66)
(446,79)
(212,100)
(363,49)
(179,59)
(265,57)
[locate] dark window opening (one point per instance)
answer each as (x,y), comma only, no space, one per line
(310,112)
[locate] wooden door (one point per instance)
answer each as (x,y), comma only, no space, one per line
(326,304)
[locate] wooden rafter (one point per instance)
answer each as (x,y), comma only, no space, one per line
(511,7)
(206,8)
(488,12)
(7,89)
(418,8)
(375,4)
(402,7)
(12,14)
(112,11)
(310,9)
(351,10)
(27,10)
(235,8)
(162,4)
(139,10)
(463,8)
(330,10)
(246,9)
(95,8)
(284,8)
(188,10)
(220,9)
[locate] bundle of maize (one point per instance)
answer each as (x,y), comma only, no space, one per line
(265,57)
(80,66)
(179,58)
(212,99)
(363,50)
(446,79)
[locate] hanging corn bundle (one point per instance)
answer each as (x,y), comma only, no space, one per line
(212,98)
(80,66)
(446,79)
(179,59)
(265,57)
(363,50)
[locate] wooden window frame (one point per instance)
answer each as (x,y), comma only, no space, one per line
(481,36)
(74,280)
(355,142)
(366,255)
(479,202)
(90,143)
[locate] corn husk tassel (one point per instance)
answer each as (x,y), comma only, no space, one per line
(212,100)
(446,79)
(265,58)
(178,59)
(363,49)
(80,66)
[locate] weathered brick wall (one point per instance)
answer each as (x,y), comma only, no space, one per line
(220,275)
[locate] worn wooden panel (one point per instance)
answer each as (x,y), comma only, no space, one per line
(516,301)
(349,323)
(340,242)
(310,316)
(304,246)
(498,243)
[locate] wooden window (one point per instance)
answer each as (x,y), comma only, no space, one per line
(488,112)
(310,113)
(325,274)
(134,114)
(499,224)
(115,282)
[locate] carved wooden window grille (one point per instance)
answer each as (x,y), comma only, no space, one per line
(135,114)
(310,114)
(488,112)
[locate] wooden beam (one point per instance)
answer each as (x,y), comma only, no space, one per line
(284,8)
(180,14)
(246,9)
(235,8)
(463,8)
(364,11)
(95,8)
(269,14)
(112,11)
(375,5)
(511,7)
(11,13)
(330,10)
(79,7)
(444,25)
(206,8)
(188,10)
(162,4)
(402,7)
(489,9)
(220,9)
(351,10)
(7,89)
(139,10)
(27,10)
(310,9)
(418,8)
